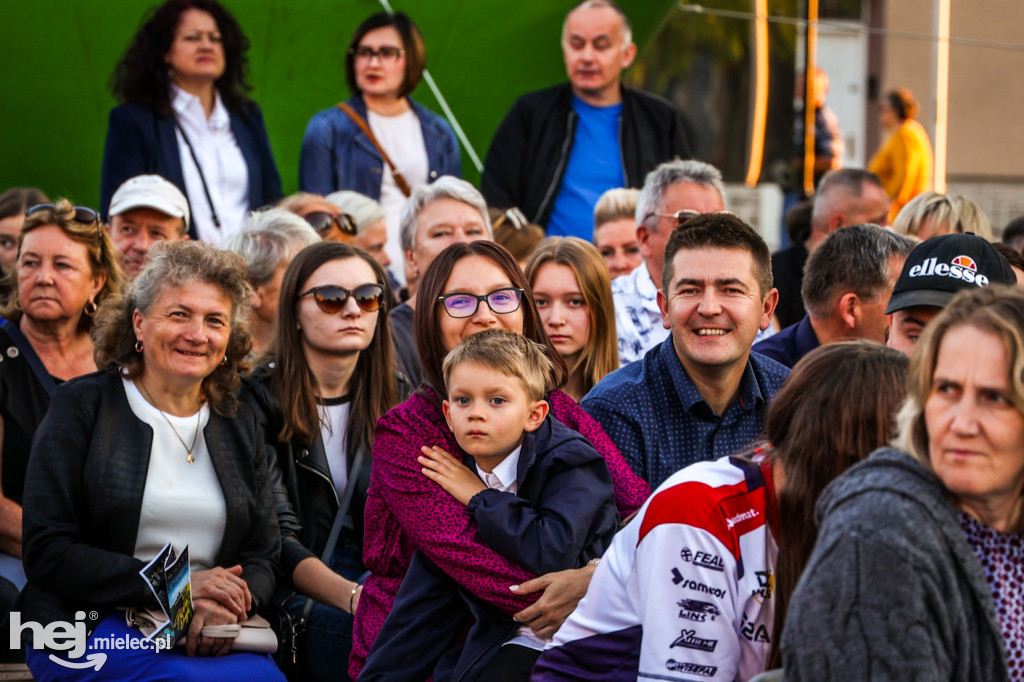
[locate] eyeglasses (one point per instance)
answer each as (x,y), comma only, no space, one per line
(322,221)
(83,214)
(500,301)
(331,298)
(386,53)
(679,216)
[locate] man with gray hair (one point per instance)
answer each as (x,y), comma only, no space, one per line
(559,149)
(847,284)
(268,242)
(434,217)
(673,193)
(848,196)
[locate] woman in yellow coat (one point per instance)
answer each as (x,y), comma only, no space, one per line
(904,162)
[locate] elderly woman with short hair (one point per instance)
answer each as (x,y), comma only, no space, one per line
(436,216)
(154,450)
(918,571)
(268,242)
(66,267)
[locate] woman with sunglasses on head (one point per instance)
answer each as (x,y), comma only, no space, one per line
(359,144)
(327,380)
(574,298)
(66,267)
(468,288)
(329,221)
(184,115)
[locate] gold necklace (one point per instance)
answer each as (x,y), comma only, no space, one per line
(195,437)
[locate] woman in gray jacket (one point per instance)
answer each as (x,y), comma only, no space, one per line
(917,574)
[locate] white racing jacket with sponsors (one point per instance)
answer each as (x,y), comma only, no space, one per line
(684,592)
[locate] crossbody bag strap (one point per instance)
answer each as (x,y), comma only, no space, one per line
(339,521)
(30,356)
(395,173)
(199,168)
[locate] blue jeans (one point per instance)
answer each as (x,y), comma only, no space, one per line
(325,644)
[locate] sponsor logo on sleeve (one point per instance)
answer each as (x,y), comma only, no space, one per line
(689,640)
(962,267)
(697,611)
(691,668)
(754,632)
(740,518)
(694,585)
(702,559)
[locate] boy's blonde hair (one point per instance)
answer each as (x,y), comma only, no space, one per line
(508,353)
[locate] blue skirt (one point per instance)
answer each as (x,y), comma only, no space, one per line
(123,662)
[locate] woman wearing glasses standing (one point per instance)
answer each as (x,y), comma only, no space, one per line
(65,268)
(358,144)
(184,115)
(468,288)
(318,400)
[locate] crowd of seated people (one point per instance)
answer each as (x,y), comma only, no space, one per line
(577,424)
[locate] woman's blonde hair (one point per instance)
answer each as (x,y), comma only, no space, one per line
(102,257)
(995,309)
(615,204)
(600,353)
(957,214)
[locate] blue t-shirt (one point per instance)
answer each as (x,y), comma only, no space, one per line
(594,167)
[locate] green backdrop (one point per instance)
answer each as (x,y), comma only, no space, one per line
(57,56)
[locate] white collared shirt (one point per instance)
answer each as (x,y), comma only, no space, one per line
(637,316)
(223,164)
(503,479)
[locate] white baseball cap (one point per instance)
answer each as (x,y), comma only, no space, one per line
(150,191)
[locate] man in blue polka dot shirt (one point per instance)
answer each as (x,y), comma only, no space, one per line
(701,393)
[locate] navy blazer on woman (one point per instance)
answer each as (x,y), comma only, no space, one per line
(83,502)
(140,141)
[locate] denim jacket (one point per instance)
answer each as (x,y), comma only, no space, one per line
(337,155)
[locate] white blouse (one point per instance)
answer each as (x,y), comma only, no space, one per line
(223,164)
(182,502)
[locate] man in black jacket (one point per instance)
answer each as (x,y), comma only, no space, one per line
(560,148)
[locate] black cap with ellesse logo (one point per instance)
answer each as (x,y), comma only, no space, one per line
(941,266)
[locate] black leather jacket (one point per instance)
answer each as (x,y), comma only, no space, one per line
(530,150)
(304,496)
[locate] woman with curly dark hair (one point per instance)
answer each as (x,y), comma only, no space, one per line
(184,115)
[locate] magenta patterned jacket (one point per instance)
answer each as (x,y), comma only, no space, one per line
(407,511)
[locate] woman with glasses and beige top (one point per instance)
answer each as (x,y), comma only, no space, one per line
(66,267)
(327,380)
(152,450)
(360,144)
(468,288)
(184,116)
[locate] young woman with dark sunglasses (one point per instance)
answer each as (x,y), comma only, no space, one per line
(468,288)
(327,380)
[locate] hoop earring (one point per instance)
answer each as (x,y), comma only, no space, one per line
(17,303)
(224,361)
(86,309)
(138,346)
